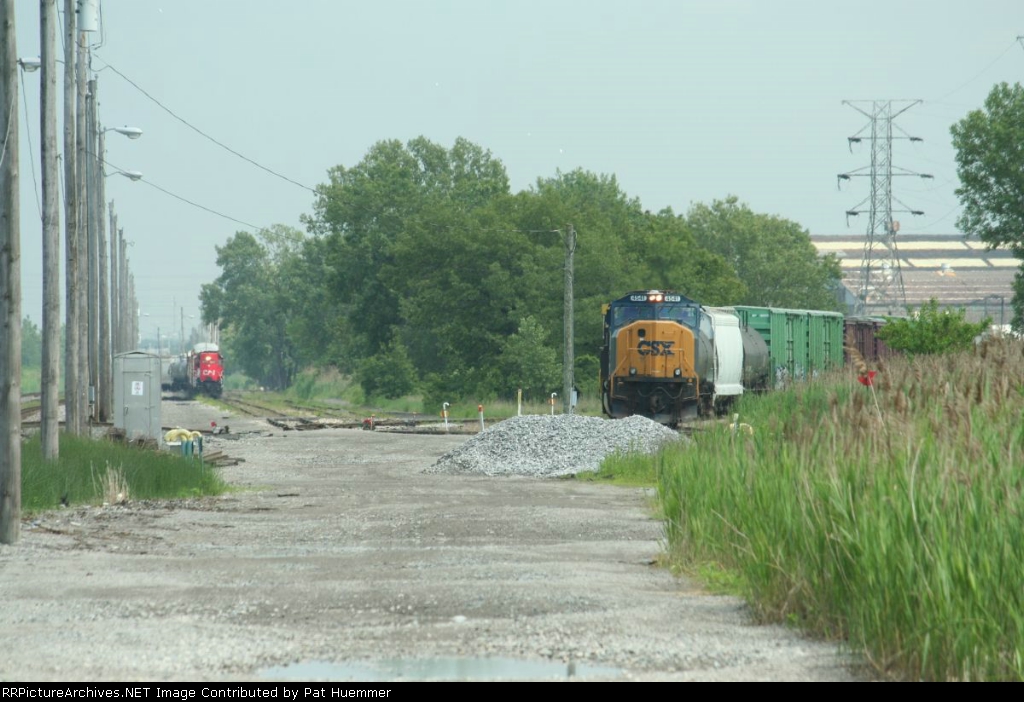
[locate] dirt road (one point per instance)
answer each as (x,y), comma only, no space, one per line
(337,558)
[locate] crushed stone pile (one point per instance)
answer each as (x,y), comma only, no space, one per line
(551,446)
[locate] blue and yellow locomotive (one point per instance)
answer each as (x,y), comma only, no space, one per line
(671,359)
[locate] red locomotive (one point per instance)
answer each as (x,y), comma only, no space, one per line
(201,370)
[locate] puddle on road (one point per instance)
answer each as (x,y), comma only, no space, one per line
(437,669)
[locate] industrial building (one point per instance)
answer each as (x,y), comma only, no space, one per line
(958,272)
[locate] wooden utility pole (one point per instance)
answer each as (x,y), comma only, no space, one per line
(72,412)
(133,313)
(92,255)
(125,313)
(105,373)
(568,358)
(82,297)
(115,287)
(49,420)
(10,285)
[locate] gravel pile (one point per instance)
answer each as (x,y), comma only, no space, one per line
(550,446)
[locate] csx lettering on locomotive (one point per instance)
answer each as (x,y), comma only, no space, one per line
(655,348)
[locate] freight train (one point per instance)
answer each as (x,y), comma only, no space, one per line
(200,371)
(672,359)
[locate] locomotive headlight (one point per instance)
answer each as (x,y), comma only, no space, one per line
(632,371)
(678,373)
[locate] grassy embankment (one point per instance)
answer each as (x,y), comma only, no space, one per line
(93,472)
(97,471)
(888,518)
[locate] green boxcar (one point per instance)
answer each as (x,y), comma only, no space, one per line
(801,343)
(825,341)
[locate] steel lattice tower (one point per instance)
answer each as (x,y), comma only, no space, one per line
(881,277)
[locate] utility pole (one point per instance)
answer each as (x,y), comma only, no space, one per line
(105,398)
(72,410)
(115,287)
(49,419)
(81,167)
(136,338)
(568,359)
(10,284)
(125,311)
(881,275)
(92,257)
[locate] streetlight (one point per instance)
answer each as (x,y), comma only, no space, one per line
(30,65)
(130,175)
(130,132)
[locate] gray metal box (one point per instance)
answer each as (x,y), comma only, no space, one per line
(137,395)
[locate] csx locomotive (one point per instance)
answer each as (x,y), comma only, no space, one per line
(672,359)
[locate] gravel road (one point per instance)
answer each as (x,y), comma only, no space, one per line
(339,557)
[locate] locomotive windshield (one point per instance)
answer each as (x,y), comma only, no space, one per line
(684,314)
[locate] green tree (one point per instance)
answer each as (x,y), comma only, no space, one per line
(461,278)
(254,300)
(989,147)
(772,256)
(673,260)
(931,330)
(388,374)
(363,210)
(527,361)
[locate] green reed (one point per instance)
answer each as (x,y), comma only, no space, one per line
(886,517)
(83,472)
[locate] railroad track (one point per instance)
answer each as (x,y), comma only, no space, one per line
(256,409)
(31,405)
(299,417)
(321,410)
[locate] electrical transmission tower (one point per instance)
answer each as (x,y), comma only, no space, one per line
(881,278)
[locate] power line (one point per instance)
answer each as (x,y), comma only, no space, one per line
(183,199)
(201,132)
(979,73)
(31,153)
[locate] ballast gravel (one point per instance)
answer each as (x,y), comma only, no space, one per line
(553,446)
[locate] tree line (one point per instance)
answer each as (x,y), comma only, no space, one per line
(421,271)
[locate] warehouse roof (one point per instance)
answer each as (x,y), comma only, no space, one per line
(956,271)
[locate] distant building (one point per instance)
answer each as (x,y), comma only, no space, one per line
(957,272)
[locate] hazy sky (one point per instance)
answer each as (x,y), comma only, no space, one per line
(684,101)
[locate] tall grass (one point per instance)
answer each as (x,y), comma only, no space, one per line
(90,471)
(623,468)
(895,527)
